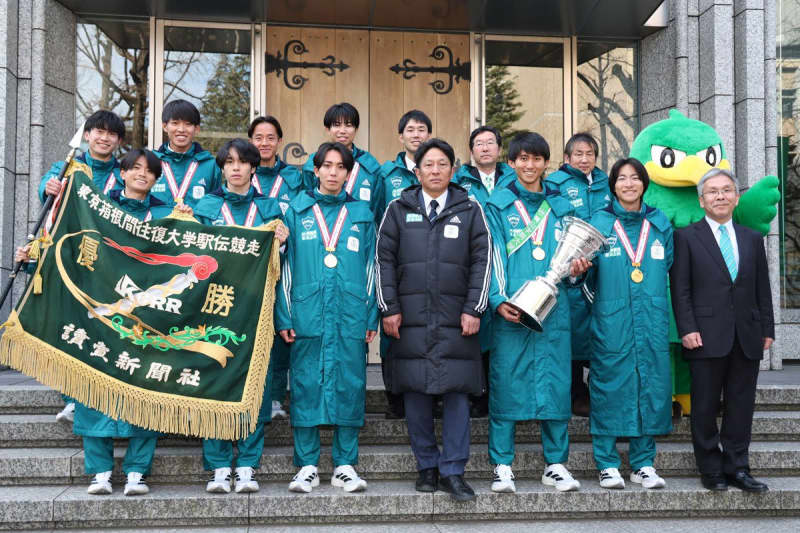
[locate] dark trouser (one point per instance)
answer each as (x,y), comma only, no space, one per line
(455,432)
(579,387)
(735,376)
(394,401)
(482,400)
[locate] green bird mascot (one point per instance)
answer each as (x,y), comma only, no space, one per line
(676,153)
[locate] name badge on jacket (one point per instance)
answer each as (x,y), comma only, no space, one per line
(451,231)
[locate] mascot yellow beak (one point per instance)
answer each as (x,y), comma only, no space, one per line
(685,174)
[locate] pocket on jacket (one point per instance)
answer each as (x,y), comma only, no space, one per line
(659,324)
(354,311)
(756,315)
(607,324)
(307,310)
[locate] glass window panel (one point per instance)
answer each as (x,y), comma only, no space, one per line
(607,102)
(112,61)
(788,83)
(210,67)
(525,91)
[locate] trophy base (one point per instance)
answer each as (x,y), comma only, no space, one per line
(534,300)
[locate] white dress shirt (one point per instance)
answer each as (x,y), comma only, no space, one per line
(441,199)
(731,233)
(589,178)
(410,165)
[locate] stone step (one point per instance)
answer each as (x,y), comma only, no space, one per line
(384,501)
(38,466)
(30,397)
(43,431)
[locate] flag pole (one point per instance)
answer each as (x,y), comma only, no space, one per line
(74,144)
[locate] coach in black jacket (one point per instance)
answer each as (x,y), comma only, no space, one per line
(433,284)
(723,310)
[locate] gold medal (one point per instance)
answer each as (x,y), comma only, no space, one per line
(538,253)
(637,276)
(330,261)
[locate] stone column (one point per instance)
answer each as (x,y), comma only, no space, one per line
(37,113)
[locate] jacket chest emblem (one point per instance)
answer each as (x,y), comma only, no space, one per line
(397,182)
(308,222)
(160,187)
(455,220)
(657,250)
(413,217)
(513,220)
(573,192)
(467,187)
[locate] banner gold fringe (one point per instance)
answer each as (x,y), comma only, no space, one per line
(168,413)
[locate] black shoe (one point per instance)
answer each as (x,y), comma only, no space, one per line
(457,487)
(428,480)
(714,481)
(743,480)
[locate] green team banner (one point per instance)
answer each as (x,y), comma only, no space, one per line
(166,324)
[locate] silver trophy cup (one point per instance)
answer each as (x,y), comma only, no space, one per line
(536,298)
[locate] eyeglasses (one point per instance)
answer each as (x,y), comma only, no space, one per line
(713,193)
(487,144)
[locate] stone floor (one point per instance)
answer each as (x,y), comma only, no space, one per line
(674,525)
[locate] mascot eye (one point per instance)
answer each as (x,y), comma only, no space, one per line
(665,156)
(711,155)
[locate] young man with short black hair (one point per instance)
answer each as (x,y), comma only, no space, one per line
(414,128)
(189,171)
(103,131)
(341,123)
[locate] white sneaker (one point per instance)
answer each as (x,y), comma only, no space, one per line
(610,478)
(556,475)
(305,479)
(67,414)
(101,484)
(221,481)
(136,484)
(277,410)
(503,479)
(346,477)
(648,477)
(244,480)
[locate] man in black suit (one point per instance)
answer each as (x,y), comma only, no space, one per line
(723,309)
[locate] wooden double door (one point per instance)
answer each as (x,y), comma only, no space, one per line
(382,73)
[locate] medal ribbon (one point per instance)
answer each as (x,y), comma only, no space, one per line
(109,183)
(330,239)
(276,186)
(248,221)
(179,193)
(351,181)
(534,229)
(636,258)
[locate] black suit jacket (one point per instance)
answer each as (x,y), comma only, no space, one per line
(705,299)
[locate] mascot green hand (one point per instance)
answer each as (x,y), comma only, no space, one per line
(757,206)
(676,153)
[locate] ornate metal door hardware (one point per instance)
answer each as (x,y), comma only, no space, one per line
(282,63)
(458,70)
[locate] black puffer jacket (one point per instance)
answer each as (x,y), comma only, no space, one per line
(432,273)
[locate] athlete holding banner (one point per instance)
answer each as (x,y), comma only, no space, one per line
(139,170)
(326,310)
(188,170)
(238,203)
